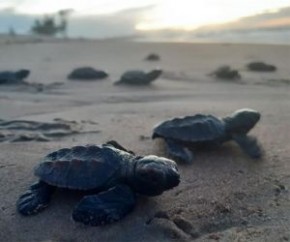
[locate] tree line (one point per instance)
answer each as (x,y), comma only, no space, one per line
(52,25)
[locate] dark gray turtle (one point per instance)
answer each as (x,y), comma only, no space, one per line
(87,73)
(152,57)
(225,72)
(139,77)
(201,130)
(13,77)
(111,175)
(261,66)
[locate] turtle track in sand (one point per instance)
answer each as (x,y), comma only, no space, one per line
(25,130)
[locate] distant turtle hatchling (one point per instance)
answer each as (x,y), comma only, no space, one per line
(110,172)
(13,77)
(206,130)
(226,72)
(261,66)
(87,73)
(139,77)
(152,57)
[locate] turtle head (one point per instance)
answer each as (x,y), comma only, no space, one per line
(154,74)
(153,175)
(21,74)
(242,121)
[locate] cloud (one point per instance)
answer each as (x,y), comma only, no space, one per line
(121,23)
(269,27)
(269,21)
(261,27)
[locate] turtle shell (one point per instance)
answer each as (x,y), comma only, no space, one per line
(10,77)
(79,167)
(87,73)
(197,128)
(134,77)
(6,76)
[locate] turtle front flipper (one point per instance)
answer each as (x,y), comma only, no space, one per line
(35,199)
(106,207)
(249,145)
(178,151)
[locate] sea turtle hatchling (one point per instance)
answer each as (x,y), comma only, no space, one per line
(227,73)
(139,77)
(87,73)
(201,130)
(111,175)
(153,57)
(13,77)
(261,66)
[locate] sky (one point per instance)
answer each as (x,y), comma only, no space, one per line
(125,17)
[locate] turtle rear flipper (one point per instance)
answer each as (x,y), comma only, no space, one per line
(249,145)
(106,207)
(178,151)
(35,199)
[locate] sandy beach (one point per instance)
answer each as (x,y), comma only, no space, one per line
(223,194)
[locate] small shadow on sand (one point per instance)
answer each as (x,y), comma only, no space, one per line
(30,87)
(274,82)
(180,76)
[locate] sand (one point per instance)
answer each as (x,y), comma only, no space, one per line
(223,194)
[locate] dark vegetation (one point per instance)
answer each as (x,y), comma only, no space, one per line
(52,25)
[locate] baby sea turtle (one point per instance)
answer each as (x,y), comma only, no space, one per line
(139,77)
(87,73)
(201,130)
(152,57)
(226,72)
(110,173)
(13,77)
(261,66)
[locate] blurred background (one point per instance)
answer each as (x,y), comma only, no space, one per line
(242,21)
